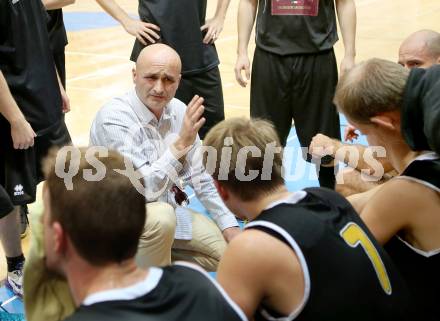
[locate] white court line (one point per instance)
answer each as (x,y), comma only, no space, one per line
(9,300)
(90,54)
(236,107)
(102,72)
(225,39)
(292,138)
(228,84)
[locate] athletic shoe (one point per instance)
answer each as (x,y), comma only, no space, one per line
(24,221)
(14,281)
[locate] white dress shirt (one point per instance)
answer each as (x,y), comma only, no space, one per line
(125,124)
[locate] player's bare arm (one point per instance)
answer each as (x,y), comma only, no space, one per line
(143,31)
(247,10)
(346,11)
(249,287)
(21,131)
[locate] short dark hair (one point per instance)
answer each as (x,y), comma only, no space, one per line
(104,219)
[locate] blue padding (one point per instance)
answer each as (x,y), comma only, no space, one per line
(79,21)
(14,307)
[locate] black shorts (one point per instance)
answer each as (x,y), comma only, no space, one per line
(208,85)
(298,87)
(6,205)
(20,170)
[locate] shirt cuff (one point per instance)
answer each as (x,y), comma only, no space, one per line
(171,163)
(225,221)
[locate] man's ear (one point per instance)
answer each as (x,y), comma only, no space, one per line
(222,191)
(384,121)
(133,72)
(59,238)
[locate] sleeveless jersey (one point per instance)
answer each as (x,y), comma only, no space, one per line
(348,276)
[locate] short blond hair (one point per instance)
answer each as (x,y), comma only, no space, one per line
(371,87)
(243,136)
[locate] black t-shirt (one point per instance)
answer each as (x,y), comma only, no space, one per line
(182,294)
(27,64)
(420,269)
(287,27)
(336,251)
(57,31)
(180,22)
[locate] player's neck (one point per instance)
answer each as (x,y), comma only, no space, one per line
(400,156)
(257,206)
(85,279)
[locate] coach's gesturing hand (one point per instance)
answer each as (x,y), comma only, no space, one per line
(192,123)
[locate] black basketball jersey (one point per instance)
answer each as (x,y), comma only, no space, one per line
(287,27)
(27,64)
(348,276)
(181,292)
(420,269)
(180,23)
(57,30)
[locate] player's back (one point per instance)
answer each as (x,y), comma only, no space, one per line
(348,276)
(181,292)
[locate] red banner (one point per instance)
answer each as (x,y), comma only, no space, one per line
(295,7)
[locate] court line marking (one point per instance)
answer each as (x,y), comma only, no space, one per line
(90,54)
(9,300)
(102,72)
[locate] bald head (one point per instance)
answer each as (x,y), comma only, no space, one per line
(420,50)
(157,76)
(159,54)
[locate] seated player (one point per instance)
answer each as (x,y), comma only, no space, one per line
(419,50)
(404,213)
(91,234)
(305,254)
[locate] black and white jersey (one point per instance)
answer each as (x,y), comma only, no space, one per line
(182,292)
(420,268)
(27,64)
(347,274)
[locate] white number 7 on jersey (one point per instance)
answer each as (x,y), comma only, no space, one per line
(354,236)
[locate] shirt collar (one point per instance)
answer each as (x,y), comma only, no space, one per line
(144,114)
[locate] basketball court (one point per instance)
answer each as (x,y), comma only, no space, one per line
(98,69)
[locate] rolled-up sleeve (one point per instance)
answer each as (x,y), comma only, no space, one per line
(204,188)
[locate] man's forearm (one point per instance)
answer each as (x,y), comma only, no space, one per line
(56,4)
(246,17)
(346,10)
(222,8)
(8,107)
(113,9)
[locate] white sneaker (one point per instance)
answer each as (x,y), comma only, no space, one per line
(14,282)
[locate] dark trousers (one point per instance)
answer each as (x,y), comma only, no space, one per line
(209,86)
(298,87)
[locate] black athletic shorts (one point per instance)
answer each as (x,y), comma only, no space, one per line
(208,85)
(20,169)
(6,205)
(298,87)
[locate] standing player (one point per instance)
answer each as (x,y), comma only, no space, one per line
(32,101)
(294,72)
(181,24)
(304,255)
(57,34)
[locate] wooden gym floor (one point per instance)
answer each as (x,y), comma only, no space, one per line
(98,66)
